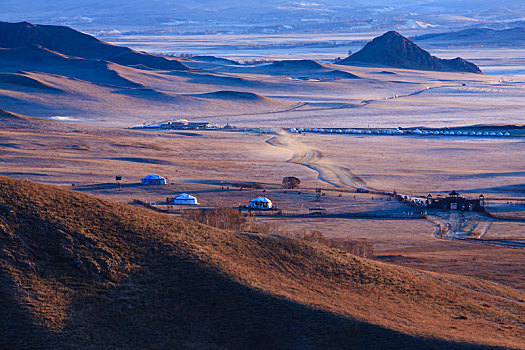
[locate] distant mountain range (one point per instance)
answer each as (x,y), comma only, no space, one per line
(26,42)
(476,37)
(394,50)
(263,16)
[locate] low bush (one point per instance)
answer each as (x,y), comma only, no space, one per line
(230,219)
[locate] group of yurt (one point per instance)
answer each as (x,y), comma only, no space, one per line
(181,199)
(258,203)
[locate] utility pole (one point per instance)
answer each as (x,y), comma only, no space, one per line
(318,194)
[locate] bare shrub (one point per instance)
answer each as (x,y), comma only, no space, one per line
(254,185)
(224,218)
(313,236)
(359,247)
(230,219)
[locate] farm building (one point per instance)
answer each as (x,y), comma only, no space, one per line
(455,202)
(184,125)
(183,199)
(153,179)
(260,203)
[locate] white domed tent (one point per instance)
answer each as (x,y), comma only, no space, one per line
(185,199)
(260,203)
(153,179)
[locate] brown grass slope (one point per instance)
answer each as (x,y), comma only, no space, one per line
(25,82)
(10,120)
(81,272)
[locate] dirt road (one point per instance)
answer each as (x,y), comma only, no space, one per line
(460,225)
(469,227)
(333,174)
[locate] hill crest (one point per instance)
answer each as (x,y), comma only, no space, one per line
(475,36)
(69,42)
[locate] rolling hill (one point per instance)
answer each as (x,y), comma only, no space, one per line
(394,50)
(71,43)
(297,69)
(77,271)
(54,71)
(475,36)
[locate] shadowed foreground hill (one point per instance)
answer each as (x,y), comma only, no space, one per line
(82,272)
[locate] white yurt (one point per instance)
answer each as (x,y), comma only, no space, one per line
(153,179)
(260,203)
(185,199)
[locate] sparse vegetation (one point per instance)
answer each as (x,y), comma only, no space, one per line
(78,271)
(359,247)
(224,218)
(231,219)
(254,185)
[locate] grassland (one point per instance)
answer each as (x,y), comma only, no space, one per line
(208,164)
(93,272)
(81,271)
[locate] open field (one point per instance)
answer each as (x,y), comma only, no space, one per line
(303,93)
(211,164)
(427,165)
(99,272)
(248,47)
(459,276)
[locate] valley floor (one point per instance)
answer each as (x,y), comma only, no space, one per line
(212,165)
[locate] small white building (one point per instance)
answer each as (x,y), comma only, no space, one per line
(153,179)
(260,203)
(184,199)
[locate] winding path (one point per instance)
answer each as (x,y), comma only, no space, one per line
(332,174)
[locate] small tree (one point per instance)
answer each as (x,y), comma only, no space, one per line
(291,182)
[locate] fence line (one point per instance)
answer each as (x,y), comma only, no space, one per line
(294,214)
(503,216)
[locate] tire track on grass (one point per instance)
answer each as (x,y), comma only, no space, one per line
(332,174)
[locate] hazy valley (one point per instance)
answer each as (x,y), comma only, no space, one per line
(354,257)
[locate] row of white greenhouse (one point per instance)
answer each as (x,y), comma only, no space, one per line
(347,131)
(460,133)
(400,132)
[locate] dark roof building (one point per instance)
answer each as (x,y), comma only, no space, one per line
(455,202)
(184,125)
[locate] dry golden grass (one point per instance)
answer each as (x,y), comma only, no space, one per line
(78,271)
